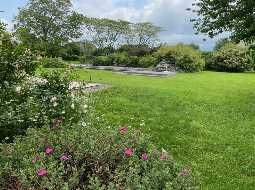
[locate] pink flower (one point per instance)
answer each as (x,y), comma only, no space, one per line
(145,157)
(64,157)
(128,152)
(49,150)
(184,172)
(37,158)
(123,130)
(163,155)
(42,172)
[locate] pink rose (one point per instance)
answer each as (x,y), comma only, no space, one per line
(42,172)
(128,152)
(145,157)
(123,130)
(64,158)
(49,151)
(37,158)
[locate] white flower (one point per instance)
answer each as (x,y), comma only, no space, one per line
(18,89)
(55,104)
(85,106)
(53,99)
(72,105)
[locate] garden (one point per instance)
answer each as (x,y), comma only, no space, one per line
(191,130)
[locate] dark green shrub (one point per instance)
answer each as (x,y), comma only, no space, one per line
(136,50)
(86,59)
(185,57)
(133,61)
(52,63)
(147,61)
(103,51)
(70,52)
(120,59)
(232,58)
(87,157)
(103,61)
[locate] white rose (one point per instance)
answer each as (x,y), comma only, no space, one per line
(53,99)
(18,89)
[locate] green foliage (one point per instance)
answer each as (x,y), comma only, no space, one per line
(82,156)
(48,24)
(147,61)
(112,33)
(185,57)
(86,59)
(103,51)
(235,16)
(70,52)
(231,58)
(135,50)
(103,61)
(52,63)
(16,61)
(37,103)
(120,59)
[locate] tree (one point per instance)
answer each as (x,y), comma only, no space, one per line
(217,16)
(50,23)
(106,32)
(146,33)
(114,33)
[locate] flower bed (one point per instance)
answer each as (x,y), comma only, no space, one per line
(86,157)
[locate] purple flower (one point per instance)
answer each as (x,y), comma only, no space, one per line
(42,172)
(64,157)
(49,151)
(145,157)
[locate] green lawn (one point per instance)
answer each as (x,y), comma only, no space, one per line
(206,120)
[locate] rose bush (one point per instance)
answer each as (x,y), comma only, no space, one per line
(86,157)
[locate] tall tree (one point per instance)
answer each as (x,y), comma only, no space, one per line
(217,16)
(106,32)
(51,22)
(146,33)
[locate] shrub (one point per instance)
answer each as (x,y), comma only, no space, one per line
(185,57)
(53,63)
(70,52)
(37,102)
(103,61)
(120,59)
(135,50)
(133,61)
(231,58)
(86,59)
(87,157)
(103,51)
(147,61)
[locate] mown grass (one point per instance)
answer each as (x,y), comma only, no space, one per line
(206,120)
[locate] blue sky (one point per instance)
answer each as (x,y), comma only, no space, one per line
(169,14)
